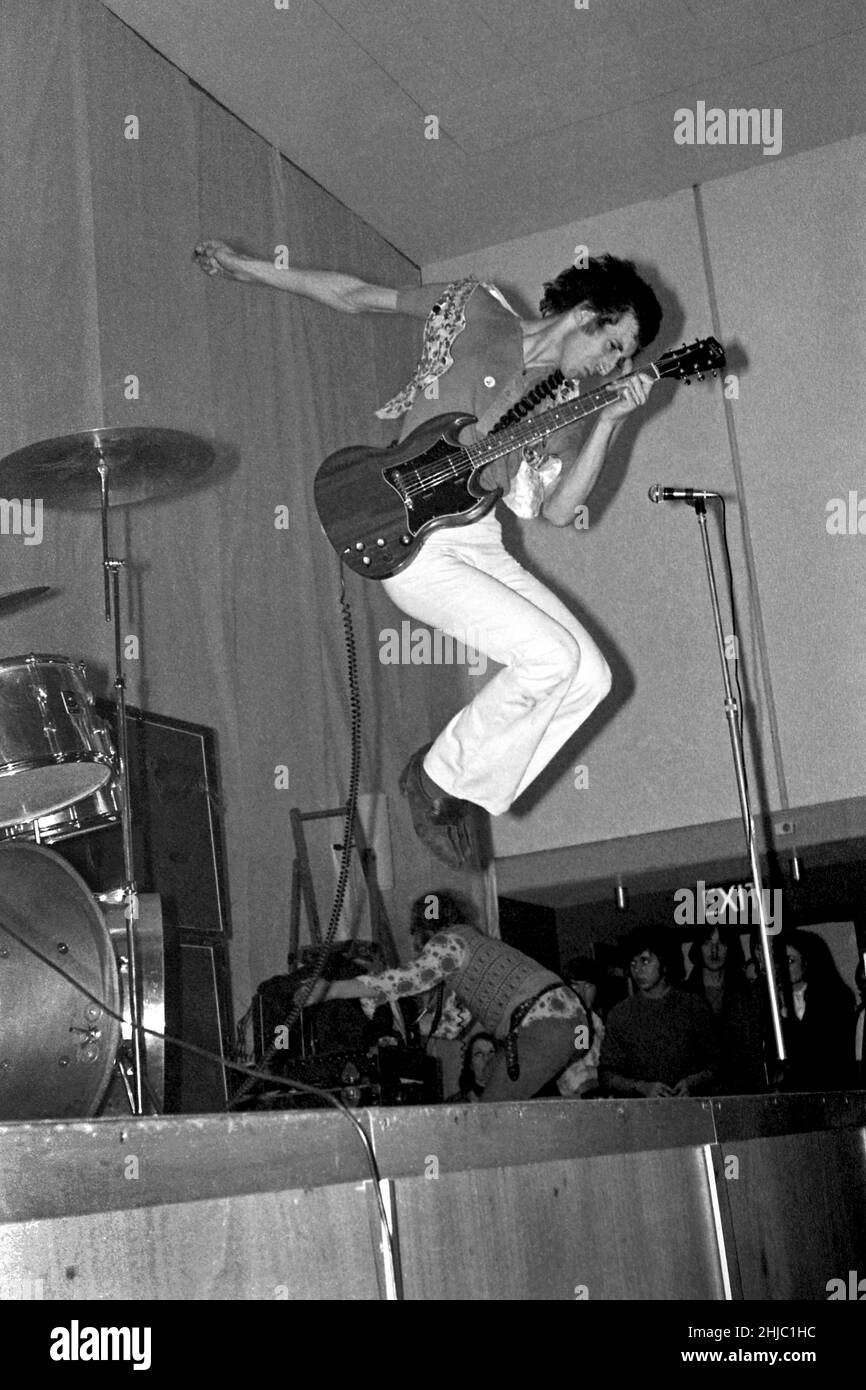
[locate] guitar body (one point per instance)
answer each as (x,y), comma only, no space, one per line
(377,506)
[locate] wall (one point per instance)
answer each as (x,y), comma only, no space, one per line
(786,255)
(237,621)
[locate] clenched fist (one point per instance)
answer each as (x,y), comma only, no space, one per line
(217,258)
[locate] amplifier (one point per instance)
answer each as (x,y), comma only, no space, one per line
(380,1076)
(348,1074)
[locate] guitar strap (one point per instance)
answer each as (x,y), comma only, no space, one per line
(528,402)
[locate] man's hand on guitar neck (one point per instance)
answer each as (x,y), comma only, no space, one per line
(345,293)
(633,391)
(582,466)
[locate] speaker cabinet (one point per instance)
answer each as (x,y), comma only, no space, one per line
(198,1010)
(176,825)
(178,854)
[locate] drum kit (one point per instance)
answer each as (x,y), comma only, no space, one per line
(77,988)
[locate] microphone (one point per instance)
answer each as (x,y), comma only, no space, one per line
(657,493)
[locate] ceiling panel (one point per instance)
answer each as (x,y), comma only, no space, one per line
(546,112)
(433,52)
(559,21)
(502,115)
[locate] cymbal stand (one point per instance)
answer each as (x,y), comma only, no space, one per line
(111,568)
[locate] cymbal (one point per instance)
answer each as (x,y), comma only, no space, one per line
(19,598)
(142,462)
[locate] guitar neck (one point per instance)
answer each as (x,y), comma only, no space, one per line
(496,446)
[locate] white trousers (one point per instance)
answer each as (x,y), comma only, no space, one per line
(464,582)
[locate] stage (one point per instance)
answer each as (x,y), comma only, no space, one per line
(757,1198)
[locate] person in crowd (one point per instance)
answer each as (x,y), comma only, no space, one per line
(532,1014)
(580,1079)
(661,1041)
(478,1063)
(718,977)
(817,1020)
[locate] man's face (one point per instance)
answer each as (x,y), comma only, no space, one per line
(588,350)
(483,1057)
(714,951)
(646,970)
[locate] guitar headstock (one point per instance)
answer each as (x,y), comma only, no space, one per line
(693,359)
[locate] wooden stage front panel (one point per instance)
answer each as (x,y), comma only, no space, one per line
(757,1198)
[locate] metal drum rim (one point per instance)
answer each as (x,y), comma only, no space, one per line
(43,659)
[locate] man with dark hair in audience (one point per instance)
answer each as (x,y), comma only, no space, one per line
(661,1041)
(538,1021)
(478,356)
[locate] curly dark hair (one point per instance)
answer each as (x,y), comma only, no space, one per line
(610,287)
(660,941)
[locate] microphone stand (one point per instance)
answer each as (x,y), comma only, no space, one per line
(732,714)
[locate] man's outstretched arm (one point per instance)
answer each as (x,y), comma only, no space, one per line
(345,293)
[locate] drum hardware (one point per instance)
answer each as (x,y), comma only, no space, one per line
(104,468)
(140,464)
(152,976)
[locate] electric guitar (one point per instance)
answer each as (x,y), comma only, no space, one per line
(377,506)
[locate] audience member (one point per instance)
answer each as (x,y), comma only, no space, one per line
(478,1062)
(718,978)
(818,1020)
(661,1041)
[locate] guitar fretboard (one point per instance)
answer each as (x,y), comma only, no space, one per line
(496,446)
(706,355)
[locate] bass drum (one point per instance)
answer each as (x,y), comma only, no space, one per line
(57,1046)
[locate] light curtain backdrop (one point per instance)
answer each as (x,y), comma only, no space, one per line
(238,621)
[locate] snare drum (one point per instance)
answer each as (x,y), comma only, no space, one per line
(94,813)
(57,1046)
(52,753)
